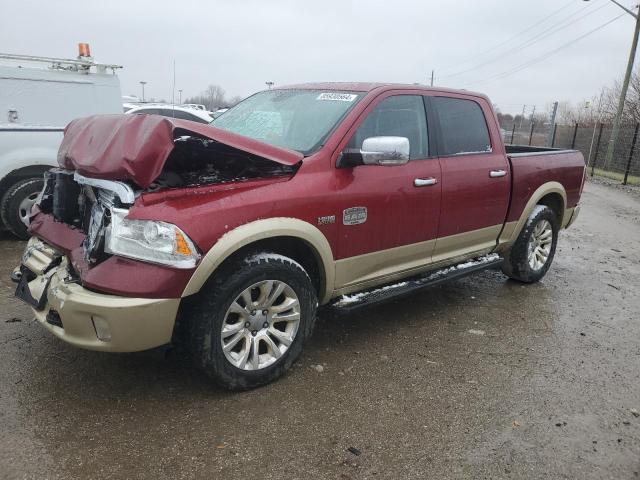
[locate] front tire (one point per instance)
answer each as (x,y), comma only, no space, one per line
(532,253)
(249,323)
(16,205)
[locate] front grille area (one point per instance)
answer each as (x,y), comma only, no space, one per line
(80,205)
(64,198)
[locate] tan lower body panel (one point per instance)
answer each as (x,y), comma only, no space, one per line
(129,324)
(370,266)
(570,215)
(464,244)
(377,268)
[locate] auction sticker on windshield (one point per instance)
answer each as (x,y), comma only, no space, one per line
(341,97)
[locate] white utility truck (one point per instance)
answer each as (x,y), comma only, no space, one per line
(39,96)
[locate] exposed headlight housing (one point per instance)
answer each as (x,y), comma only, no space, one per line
(149,240)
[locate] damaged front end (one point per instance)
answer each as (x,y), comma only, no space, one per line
(108,162)
(99,208)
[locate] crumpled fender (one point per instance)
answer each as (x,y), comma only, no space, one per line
(135,147)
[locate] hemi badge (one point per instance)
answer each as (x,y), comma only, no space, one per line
(326,220)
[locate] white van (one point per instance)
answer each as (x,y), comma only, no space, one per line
(39,96)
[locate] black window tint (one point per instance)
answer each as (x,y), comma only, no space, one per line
(189,116)
(397,116)
(463,128)
(168,112)
(183,115)
(148,111)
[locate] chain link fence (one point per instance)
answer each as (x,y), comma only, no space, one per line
(592,140)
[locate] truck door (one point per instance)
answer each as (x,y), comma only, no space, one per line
(476,179)
(389,214)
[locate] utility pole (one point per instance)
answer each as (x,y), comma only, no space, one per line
(533,113)
(524,108)
(269,84)
(625,86)
(143,84)
(180,97)
(432,73)
(554,111)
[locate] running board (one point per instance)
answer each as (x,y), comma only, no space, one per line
(348,303)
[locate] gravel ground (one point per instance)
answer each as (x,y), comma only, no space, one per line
(479,378)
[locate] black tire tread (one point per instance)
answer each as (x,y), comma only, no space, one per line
(200,316)
(11,200)
(516,264)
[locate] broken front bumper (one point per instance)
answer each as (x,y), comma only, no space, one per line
(88,319)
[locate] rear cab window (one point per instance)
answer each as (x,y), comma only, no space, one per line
(396,116)
(462,126)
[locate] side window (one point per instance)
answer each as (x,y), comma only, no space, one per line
(463,128)
(184,115)
(148,111)
(193,118)
(168,112)
(397,116)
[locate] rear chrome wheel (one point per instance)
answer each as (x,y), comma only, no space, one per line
(260,325)
(539,246)
(532,253)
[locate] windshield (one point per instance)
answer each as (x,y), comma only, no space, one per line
(295,119)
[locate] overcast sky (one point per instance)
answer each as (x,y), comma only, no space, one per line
(239,45)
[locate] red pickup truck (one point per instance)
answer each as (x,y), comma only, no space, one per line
(227,237)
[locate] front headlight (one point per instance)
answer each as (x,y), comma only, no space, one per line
(148,240)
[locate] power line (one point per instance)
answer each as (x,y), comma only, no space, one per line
(543,57)
(553,29)
(522,32)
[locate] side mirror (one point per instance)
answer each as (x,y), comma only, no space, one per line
(388,151)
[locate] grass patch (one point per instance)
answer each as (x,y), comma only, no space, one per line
(631,180)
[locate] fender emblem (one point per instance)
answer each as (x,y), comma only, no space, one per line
(326,220)
(354,215)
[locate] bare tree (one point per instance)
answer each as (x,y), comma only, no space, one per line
(631,112)
(234,100)
(212,98)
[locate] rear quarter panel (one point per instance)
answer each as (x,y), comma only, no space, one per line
(530,172)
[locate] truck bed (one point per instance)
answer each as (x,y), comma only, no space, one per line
(532,167)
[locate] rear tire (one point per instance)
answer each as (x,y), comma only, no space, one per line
(532,253)
(228,333)
(17,203)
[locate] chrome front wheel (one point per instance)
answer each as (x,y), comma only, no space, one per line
(260,325)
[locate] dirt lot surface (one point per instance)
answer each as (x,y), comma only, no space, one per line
(480,378)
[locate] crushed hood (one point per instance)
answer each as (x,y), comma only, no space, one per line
(136,147)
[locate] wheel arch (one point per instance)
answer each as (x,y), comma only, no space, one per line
(556,202)
(291,237)
(550,194)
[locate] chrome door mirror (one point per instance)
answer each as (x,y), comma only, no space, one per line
(386,151)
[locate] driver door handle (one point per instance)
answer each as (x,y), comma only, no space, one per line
(424,182)
(497,173)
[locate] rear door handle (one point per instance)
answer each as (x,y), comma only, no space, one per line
(424,182)
(497,173)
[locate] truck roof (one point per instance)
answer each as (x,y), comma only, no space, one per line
(370,86)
